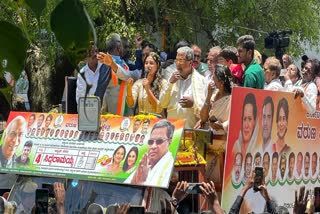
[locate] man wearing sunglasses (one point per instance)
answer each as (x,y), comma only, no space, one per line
(155,166)
(197,64)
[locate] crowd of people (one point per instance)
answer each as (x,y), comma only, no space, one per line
(186,88)
(182,86)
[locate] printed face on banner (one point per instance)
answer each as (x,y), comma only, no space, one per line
(40,120)
(299,163)
(248,165)
(132,157)
(257,159)
(266,164)
(136,126)
(119,155)
(314,163)
(274,167)
(31,120)
(306,164)
(282,124)
(248,123)
(158,145)
(238,166)
(283,165)
(13,137)
(266,122)
(291,165)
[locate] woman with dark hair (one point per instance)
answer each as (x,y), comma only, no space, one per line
(216,108)
(118,156)
(129,163)
(215,113)
(146,91)
(282,117)
(249,126)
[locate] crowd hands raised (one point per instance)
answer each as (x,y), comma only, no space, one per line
(303,203)
(28,204)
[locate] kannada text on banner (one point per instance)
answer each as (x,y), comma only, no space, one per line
(126,150)
(271,130)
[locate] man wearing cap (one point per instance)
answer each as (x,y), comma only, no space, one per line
(154,167)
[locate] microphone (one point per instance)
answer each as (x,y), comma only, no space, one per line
(146,72)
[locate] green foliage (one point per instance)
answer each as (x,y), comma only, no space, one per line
(37,7)
(205,22)
(73,29)
(222,22)
(13,47)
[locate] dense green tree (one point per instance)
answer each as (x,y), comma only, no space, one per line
(206,22)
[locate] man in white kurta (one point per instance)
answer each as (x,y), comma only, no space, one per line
(184,95)
(156,165)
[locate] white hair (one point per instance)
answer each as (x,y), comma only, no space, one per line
(187,51)
(16,119)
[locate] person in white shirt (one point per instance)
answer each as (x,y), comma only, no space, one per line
(272,68)
(306,88)
(184,95)
(95,74)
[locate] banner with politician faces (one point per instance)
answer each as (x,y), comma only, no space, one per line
(136,150)
(274,131)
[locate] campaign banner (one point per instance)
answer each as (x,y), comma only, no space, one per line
(136,150)
(274,131)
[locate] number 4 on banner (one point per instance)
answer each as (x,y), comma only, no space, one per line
(38,159)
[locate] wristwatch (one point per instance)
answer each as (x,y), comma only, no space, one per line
(174,202)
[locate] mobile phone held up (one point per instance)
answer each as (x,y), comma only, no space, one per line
(258,178)
(194,188)
(42,197)
(50,189)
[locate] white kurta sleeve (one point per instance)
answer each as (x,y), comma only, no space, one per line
(165,95)
(310,98)
(81,88)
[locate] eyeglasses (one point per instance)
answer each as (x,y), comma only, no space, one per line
(197,56)
(158,141)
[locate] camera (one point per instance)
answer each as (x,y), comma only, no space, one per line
(277,39)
